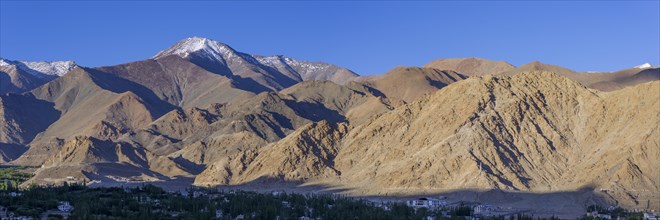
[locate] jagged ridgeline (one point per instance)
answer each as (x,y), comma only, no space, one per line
(203,113)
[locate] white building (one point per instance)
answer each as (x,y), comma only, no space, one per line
(605,216)
(64,206)
(426,203)
(3,212)
(651,216)
(277,193)
(198,194)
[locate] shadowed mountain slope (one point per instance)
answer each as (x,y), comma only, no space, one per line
(410,83)
(179,82)
(88,109)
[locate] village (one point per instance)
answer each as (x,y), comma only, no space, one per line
(151,202)
(75,200)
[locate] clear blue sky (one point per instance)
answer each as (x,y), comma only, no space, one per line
(367,37)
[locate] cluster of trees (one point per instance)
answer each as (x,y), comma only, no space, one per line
(12,177)
(150,202)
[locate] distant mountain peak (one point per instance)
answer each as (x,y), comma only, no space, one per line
(198,45)
(4,62)
(642,66)
(40,68)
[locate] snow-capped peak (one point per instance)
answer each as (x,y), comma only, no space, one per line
(4,62)
(55,68)
(280,60)
(41,68)
(200,46)
(646,65)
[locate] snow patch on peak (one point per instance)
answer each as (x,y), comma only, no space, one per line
(4,62)
(55,68)
(302,67)
(41,68)
(200,46)
(309,67)
(272,61)
(642,66)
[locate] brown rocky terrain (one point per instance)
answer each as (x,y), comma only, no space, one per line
(206,113)
(307,153)
(86,109)
(535,131)
(188,139)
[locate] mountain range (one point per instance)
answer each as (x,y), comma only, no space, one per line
(202,113)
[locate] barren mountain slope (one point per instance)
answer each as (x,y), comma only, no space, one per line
(178,82)
(22,117)
(603,81)
(531,131)
(607,81)
(306,153)
(471,66)
(410,83)
(87,109)
(87,158)
(198,137)
(233,127)
(201,136)
(9,152)
(355,102)
(537,66)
